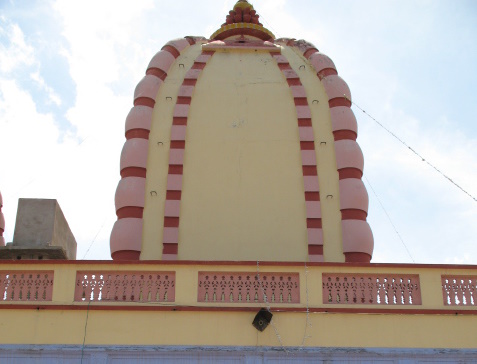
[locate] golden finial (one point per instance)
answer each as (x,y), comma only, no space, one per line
(243,4)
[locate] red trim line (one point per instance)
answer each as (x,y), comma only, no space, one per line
(190,40)
(226,263)
(312,196)
(198,66)
(144,101)
(177,144)
(133,172)
(184,100)
(315,249)
(95,306)
(284,66)
(179,121)
(130,211)
(173,195)
(339,101)
(307,145)
(301,101)
(171,221)
(294,82)
(137,133)
(309,171)
(170,248)
(350,173)
(304,122)
(357,257)
(326,72)
(309,52)
(171,50)
(353,214)
(189,82)
(126,255)
(344,134)
(157,72)
(313,223)
(176,169)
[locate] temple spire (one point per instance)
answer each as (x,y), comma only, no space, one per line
(242,20)
(243,4)
(242,12)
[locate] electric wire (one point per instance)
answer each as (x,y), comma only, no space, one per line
(412,150)
(94,239)
(307,321)
(275,329)
(389,218)
(269,26)
(84,336)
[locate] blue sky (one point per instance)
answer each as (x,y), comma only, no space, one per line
(68,71)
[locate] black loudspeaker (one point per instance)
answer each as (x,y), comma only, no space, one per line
(262,319)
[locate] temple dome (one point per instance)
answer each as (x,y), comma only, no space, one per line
(241,147)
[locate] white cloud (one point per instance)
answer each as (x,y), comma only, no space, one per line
(14,52)
(28,140)
(101,55)
(52,95)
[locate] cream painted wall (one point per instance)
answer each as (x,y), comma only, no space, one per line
(118,327)
(242,196)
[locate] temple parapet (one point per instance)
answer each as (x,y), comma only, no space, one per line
(369,297)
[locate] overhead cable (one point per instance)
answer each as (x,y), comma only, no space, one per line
(412,150)
(389,218)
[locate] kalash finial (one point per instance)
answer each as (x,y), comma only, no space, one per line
(243,12)
(243,4)
(242,20)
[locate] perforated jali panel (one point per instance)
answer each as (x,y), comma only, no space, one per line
(379,289)
(248,287)
(125,286)
(26,285)
(459,290)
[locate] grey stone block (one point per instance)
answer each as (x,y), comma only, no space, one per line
(41,228)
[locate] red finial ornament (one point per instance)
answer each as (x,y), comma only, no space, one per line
(243,12)
(243,19)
